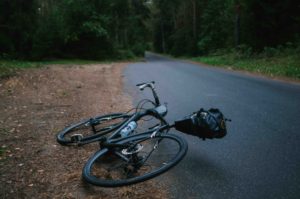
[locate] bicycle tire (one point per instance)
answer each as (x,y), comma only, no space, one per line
(103,124)
(99,170)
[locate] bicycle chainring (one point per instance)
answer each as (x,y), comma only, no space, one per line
(132,150)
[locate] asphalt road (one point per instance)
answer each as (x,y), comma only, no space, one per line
(260,156)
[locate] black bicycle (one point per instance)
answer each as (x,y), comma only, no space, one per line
(128,155)
(93,128)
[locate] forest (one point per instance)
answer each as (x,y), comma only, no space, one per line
(120,29)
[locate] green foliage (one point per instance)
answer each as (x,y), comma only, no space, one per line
(139,48)
(72,28)
(43,29)
(270,51)
(125,54)
(202,27)
(204,44)
(6,71)
(243,51)
(270,23)
(281,61)
(17,25)
(2,151)
(8,68)
(217,28)
(192,27)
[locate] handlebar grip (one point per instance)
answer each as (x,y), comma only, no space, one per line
(143,86)
(140,84)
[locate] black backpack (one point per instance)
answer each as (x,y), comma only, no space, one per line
(204,124)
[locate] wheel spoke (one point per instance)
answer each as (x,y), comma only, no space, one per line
(88,128)
(146,158)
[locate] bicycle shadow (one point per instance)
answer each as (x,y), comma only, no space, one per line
(207,180)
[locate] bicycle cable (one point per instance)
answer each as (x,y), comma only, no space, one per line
(139,106)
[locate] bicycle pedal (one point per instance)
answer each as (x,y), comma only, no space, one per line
(76,137)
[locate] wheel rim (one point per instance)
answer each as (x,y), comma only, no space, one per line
(111,169)
(103,124)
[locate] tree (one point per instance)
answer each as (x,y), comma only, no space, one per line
(17,22)
(270,23)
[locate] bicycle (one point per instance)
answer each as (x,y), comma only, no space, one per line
(102,125)
(125,159)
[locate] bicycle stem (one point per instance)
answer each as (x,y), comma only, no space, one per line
(151,86)
(157,102)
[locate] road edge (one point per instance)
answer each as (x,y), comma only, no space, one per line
(227,69)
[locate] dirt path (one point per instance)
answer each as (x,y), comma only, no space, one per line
(34,106)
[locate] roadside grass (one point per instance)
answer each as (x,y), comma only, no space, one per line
(1,151)
(281,62)
(8,68)
(274,66)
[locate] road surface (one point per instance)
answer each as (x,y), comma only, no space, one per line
(260,156)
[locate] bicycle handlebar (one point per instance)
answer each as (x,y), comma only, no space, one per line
(144,85)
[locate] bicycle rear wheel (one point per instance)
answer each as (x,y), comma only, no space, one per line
(146,158)
(91,128)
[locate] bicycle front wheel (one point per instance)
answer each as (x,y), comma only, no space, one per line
(144,159)
(91,128)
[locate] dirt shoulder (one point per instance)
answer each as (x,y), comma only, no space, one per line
(34,106)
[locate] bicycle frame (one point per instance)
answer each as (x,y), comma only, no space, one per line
(115,136)
(159,111)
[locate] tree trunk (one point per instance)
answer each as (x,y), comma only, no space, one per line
(163,43)
(194,19)
(237,25)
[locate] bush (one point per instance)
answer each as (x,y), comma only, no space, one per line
(270,52)
(125,54)
(204,45)
(139,48)
(6,71)
(244,51)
